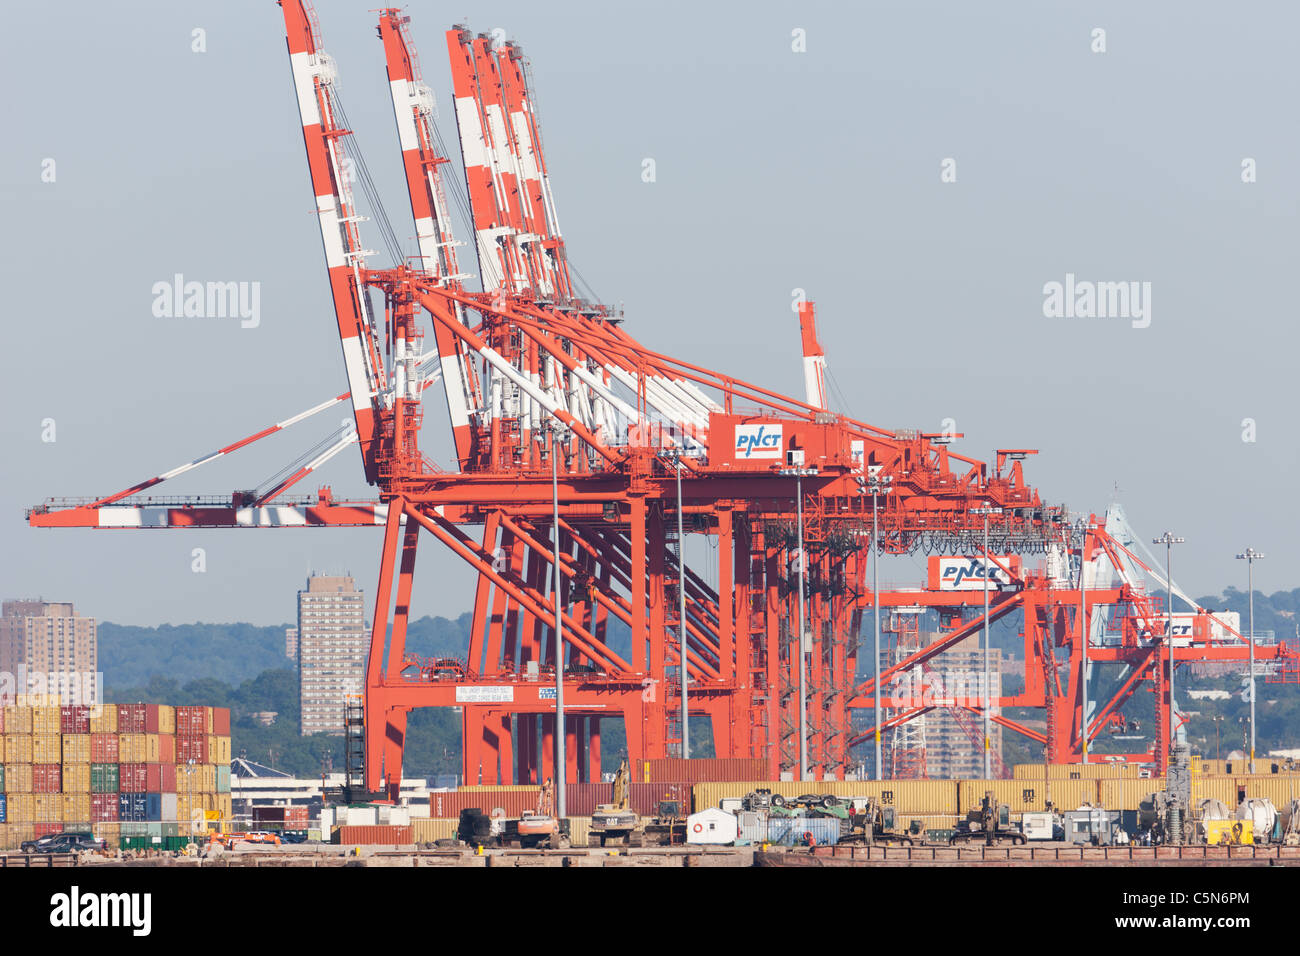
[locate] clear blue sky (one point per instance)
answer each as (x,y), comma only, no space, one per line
(775,170)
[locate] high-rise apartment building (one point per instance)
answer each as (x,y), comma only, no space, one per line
(332,645)
(48,641)
(291,643)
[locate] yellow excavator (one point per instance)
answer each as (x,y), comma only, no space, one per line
(616,822)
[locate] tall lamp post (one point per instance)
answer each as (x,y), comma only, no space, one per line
(559,437)
(674,455)
(1169,540)
(876,484)
(1250,556)
(988,567)
(1084,528)
(798,472)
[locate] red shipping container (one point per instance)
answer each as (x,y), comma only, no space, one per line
(74,720)
(104,807)
(45,829)
(192,748)
(581,799)
(221,721)
(644,798)
(47,778)
(133,778)
(103,748)
(131,718)
(447,804)
(151,718)
(191,721)
(160,777)
(374,835)
(166,748)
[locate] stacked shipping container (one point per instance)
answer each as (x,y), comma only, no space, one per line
(120,770)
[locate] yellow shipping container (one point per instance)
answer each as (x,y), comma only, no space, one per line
(76,778)
(76,748)
(21,807)
(1214,787)
(219,749)
(47,720)
(1094,770)
(1028,795)
(18,834)
(47,808)
(1128,794)
(110,833)
(426,831)
(18,720)
(18,748)
(18,779)
(76,807)
(132,748)
(47,748)
(908,796)
(166,719)
(185,807)
(103,719)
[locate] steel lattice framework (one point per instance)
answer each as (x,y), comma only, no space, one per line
(534,376)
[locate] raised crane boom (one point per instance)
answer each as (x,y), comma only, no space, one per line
(413,105)
(313,78)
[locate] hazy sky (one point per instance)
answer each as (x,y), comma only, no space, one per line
(775,170)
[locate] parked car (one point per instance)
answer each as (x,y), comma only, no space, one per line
(64,843)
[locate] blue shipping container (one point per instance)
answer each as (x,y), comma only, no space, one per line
(153,806)
(789,831)
(133,807)
(4,809)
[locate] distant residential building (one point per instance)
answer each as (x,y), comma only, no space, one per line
(332,646)
(265,717)
(47,639)
(948,741)
(291,643)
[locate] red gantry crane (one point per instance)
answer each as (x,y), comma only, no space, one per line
(531,370)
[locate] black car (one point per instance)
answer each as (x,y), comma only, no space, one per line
(64,843)
(293,836)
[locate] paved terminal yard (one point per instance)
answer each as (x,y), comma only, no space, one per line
(746,856)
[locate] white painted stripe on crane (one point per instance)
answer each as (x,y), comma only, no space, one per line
(700,395)
(355,364)
(331,232)
(472,148)
(404,101)
(505,368)
(528,158)
(304,75)
(272,516)
(451,373)
(814,372)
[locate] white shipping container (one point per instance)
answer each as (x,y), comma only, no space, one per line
(359,817)
(326,819)
(169,804)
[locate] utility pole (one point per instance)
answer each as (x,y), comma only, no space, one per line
(560,767)
(674,455)
(1169,540)
(988,570)
(1250,556)
(1084,628)
(797,471)
(877,484)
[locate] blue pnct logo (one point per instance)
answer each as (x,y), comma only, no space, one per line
(758,441)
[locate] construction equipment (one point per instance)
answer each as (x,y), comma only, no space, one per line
(668,826)
(991,821)
(875,822)
(616,822)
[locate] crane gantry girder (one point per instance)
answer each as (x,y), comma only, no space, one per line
(537,378)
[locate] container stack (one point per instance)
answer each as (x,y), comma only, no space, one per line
(129,773)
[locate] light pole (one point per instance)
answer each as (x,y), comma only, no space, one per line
(558,437)
(1169,540)
(797,471)
(877,484)
(1084,527)
(674,455)
(1250,556)
(988,718)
